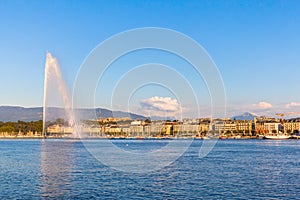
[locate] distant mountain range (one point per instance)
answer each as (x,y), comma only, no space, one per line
(245,116)
(15,113)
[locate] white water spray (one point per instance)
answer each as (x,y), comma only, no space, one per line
(52,70)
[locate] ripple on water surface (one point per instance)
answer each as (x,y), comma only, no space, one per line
(235,169)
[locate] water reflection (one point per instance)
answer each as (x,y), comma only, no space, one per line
(56,166)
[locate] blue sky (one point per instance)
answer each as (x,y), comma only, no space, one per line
(255,45)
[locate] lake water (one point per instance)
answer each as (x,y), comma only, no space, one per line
(234,169)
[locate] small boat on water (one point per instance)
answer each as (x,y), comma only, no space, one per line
(295,137)
(222,137)
(237,137)
(140,138)
(277,137)
(260,137)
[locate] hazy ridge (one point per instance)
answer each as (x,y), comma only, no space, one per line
(15,113)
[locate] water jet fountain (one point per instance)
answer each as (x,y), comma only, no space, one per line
(53,76)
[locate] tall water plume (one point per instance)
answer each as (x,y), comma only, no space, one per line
(53,76)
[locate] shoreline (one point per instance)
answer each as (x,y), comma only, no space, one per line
(135,138)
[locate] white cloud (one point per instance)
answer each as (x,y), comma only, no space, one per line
(160,106)
(292,104)
(262,105)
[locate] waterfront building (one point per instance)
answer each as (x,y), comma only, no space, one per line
(90,130)
(292,126)
(136,123)
(271,127)
(243,126)
(154,128)
(185,130)
(126,130)
(259,127)
(107,120)
(67,129)
(189,121)
(264,125)
(224,126)
(167,129)
(204,127)
(59,130)
(136,130)
(54,129)
(112,129)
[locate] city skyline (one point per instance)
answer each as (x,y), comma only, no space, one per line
(254,45)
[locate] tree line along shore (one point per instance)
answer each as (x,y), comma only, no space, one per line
(21,128)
